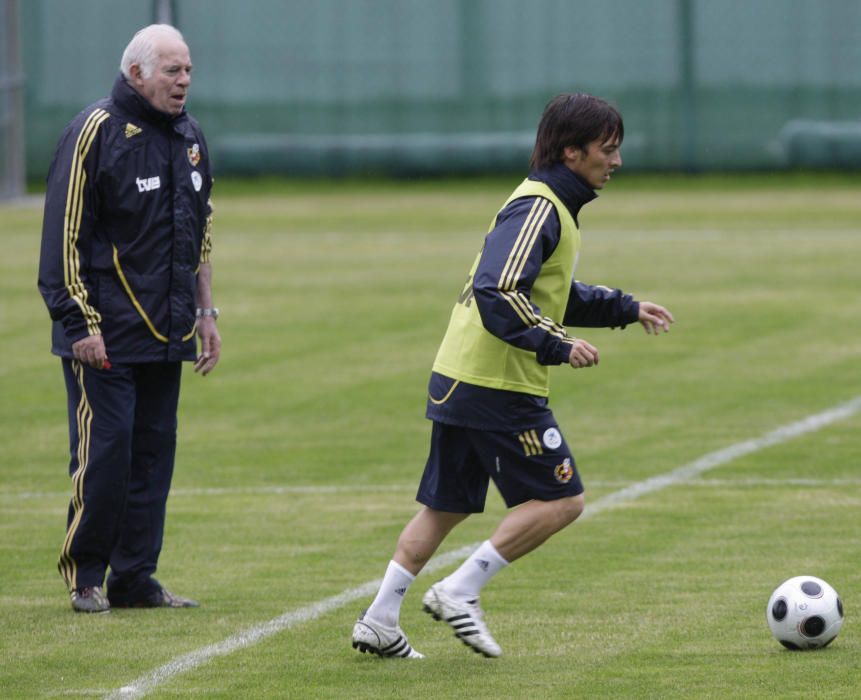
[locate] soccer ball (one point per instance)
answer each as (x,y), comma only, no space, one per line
(804,612)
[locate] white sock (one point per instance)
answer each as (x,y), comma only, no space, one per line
(478,569)
(386,607)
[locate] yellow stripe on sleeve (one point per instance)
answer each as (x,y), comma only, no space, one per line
(524,310)
(522,243)
(533,236)
(72,220)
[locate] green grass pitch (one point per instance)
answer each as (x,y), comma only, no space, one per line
(298,458)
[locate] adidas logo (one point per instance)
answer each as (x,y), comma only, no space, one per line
(132,130)
(401,591)
(483,564)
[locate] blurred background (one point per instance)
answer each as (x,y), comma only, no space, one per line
(435,87)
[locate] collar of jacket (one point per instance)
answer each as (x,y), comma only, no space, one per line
(132,102)
(567,185)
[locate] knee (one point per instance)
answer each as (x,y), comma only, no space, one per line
(570,508)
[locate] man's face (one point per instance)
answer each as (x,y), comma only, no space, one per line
(596,163)
(167,88)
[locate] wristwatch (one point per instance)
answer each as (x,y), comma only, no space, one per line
(213,312)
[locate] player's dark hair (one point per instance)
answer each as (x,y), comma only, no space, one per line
(574,120)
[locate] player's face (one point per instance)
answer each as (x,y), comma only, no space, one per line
(167,88)
(597,163)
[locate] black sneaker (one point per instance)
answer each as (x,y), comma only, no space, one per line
(162,598)
(90,600)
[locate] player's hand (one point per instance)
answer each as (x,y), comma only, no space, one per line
(582,354)
(654,317)
(210,345)
(90,351)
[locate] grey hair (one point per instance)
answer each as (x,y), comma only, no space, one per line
(142,48)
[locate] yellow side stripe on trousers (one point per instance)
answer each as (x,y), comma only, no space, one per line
(84,417)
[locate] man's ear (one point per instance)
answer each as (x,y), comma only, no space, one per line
(572,153)
(136,73)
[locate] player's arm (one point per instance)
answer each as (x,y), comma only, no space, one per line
(526,234)
(597,306)
(69,218)
(207,331)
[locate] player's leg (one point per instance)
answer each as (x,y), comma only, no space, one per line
(418,541)
(101,408)
(135,558)
(534,470)
(422,536)
(453,485)
(378,630)
(529,525)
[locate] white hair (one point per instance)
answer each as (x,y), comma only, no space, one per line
(142,48)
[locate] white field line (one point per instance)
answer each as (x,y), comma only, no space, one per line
(789,481)
(250,636)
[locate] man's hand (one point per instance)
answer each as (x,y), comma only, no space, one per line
(582,354)
(654,317)
(210,345)
(90,351)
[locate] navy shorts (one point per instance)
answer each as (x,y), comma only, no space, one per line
(532,464)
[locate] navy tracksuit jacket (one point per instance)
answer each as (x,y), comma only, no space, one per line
(126,227)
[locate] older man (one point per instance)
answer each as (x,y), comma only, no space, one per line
(125,274)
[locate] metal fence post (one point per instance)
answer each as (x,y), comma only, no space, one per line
(687,73)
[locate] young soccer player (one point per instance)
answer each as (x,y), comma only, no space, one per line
(488,390)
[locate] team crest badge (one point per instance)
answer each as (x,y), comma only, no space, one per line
(563,472)
(132,130)
(193,155)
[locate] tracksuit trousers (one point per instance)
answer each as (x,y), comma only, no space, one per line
(122,437)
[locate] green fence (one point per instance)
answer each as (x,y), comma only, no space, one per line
(430,86)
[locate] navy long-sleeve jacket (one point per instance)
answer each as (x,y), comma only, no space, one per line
(126,227)
(588,305)
(591,306)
